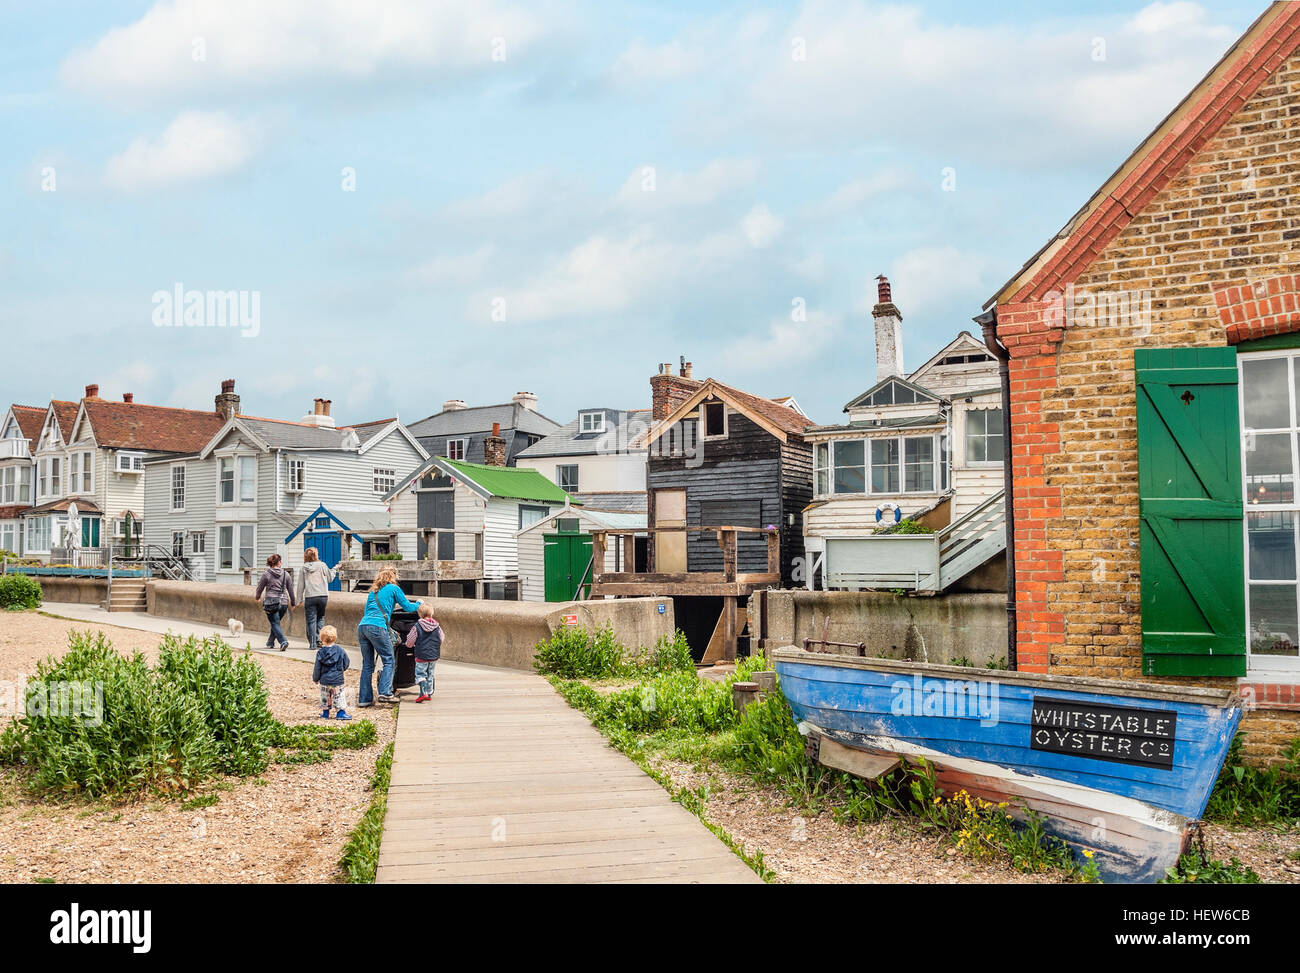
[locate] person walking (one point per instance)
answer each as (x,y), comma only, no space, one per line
(375,638)
(275,592)
(313,591)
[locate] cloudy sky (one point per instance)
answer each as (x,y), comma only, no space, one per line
(469,198)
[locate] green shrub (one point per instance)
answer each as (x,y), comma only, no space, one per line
(233,694)
(1196,867)
(360,859)
(572,652)
(18,592)
(1245,795)
(672,653)
(200,713)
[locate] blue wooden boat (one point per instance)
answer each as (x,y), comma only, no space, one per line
(1120,769)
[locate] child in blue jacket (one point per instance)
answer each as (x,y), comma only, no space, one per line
(331,663)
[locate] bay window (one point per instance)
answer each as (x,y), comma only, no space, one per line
(884,466)
(821,468)
(237,478)
(850,466)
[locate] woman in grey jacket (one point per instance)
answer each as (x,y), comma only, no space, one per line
(314,580)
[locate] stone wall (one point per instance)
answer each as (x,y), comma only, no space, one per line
(74,591)
(492,633)
(967,626)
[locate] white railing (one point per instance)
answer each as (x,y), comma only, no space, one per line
(14,449)
(917,562)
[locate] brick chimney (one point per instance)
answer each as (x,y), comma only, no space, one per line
(92,391)
(128,397)
(889,332)
(494,447)
(227,402)
(320,414)
(668,391)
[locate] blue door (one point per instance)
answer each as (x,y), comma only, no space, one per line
(329,546)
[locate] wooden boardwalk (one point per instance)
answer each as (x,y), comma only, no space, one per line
(500,780)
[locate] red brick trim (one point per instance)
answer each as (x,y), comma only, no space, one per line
(1200,121)
(1032,334)
(1263,695)
(1260,309)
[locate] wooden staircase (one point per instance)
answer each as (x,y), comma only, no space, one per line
(127,595)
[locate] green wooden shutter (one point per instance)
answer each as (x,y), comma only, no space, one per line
(1189,481)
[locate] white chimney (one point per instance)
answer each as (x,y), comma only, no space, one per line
(454,405)
(527,399)
(889,332)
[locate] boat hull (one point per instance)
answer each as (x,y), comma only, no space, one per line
(1120,770)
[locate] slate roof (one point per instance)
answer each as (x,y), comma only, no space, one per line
(866,425)
(570,440)
(367,431)
(479,418)
(295,435)
(627,502)
(133,425)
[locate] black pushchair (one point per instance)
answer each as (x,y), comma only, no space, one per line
(400,626)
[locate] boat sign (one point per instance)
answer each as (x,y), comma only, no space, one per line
(1136,736)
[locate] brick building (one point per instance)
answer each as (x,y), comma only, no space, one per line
(1154,364)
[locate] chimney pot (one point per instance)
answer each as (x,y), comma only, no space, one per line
(325,405)
(92,391)
(128,397)
(496,429)
(228,385)
(883,292)
(227,402)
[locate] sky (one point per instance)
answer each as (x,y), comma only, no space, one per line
(420,201)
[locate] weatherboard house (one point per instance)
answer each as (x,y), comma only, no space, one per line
(926,445)
(1154,371)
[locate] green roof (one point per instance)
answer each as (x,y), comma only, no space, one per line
(508,482)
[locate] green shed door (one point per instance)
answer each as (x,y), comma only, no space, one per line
(1189,482)
(567,557)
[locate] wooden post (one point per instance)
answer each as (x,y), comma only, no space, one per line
(729,628)
(773,552)
(597,553)
(727,541)
(629,553)
(742,694)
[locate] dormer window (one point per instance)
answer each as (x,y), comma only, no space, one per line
(714,419)
(130,463)
(592,421)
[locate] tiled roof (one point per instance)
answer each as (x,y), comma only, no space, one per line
(785,419)
(65,413)
(10,511)
(30,418)
(84,506)
(570,440)
(132,425)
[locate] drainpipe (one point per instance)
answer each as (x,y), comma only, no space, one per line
(988,322)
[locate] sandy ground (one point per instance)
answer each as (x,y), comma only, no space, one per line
(287,826)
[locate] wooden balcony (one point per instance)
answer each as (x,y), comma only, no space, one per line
(427,569)
(728,582)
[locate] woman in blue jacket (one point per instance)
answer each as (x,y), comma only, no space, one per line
(374,638)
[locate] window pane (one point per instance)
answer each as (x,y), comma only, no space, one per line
(884,465)
(1265,394)
(1271,537)
(918,456)
(1273,619)
(850,466)
(1268,469)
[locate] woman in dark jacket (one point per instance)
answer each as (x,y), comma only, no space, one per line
(275,592)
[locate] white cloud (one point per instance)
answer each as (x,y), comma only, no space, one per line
(787,342)
(718,179)
(874,72)
(196,145)
(761,226)
(930,278)
(179,47)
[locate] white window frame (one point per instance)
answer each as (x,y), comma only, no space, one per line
(1270,666)
(966,437)
(382,480)
(296,476)
(129,462)
(198,542)
(577,476)
(236,547)
(939,459)
(175,469)
(704,422)
(178,543)
(462,449)
(596,425)
(243,471)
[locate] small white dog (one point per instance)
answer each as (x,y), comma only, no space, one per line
(236,627)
